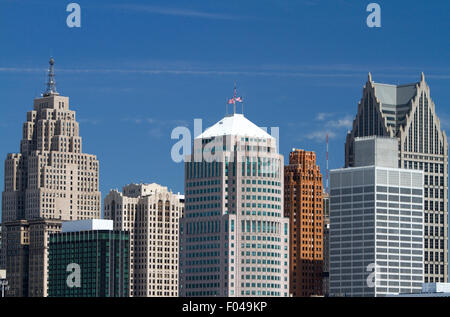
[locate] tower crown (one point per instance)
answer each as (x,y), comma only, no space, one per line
(235,124)
(51,84)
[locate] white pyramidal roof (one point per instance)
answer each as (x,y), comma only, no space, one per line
(235,124)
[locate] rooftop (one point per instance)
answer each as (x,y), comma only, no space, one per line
(395,101)
(235,124)
(395,94)
(87,225)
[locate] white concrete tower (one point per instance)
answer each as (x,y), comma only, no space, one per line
(234,236)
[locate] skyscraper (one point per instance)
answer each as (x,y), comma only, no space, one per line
(408,113)
(51,178)
(151,213)
(376,223)
(303,204)
(234,236)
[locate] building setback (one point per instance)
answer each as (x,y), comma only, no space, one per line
(151,214)
(303,204)
(97,253)
(376,224)
(52,180)
(234,236)
(408,113)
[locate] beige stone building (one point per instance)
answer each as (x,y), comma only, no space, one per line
(39,231)
(151,213)
(52,179)
(26,258)
(16,256)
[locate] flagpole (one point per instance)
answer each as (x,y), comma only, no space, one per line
(234,99)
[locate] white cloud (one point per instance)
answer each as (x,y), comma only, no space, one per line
(333,124)
(176,12)
(320,135)
(170,68)
(156,132)
(323,115)
(345,122)
(139,120)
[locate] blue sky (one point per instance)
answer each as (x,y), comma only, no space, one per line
(137,69)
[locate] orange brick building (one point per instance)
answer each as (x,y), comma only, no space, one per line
(303,204)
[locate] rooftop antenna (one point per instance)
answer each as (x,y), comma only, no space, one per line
(51,84)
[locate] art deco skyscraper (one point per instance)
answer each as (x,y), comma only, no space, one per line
(51,178)
(234,236)
(408,113)
(303,204)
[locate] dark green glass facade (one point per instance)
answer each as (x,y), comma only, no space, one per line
(103,257)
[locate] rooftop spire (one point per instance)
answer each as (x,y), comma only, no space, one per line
(51,84)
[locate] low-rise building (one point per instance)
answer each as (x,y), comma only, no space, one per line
(430,290)
(89,259)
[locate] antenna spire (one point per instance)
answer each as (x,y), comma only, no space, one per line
(51,84)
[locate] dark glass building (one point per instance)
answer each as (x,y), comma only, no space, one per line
(88,259)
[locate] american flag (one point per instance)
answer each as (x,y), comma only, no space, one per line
(235,98)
